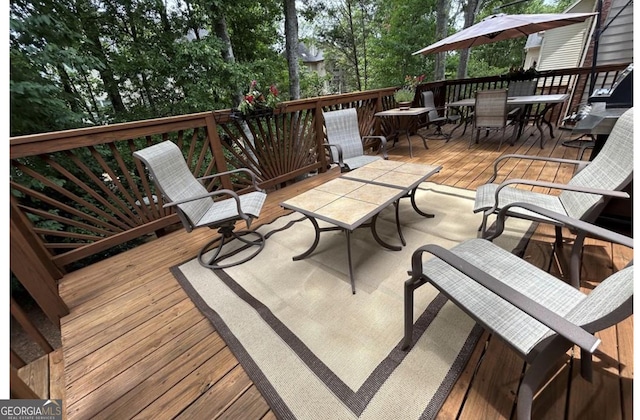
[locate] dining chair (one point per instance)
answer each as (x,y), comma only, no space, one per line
(345,144)
(537,315)
(490,113)
(434,117)
(583,197)
(522,88)
(197,207)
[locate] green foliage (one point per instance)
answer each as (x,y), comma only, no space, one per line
(497,58)
(94,63)
(404,94)
(404,27)
(312,84)
(84,62)
(345,35)
(38,99)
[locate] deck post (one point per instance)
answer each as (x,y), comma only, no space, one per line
(216,150)
(319,126)
(32,267)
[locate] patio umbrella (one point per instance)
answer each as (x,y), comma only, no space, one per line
(501,26)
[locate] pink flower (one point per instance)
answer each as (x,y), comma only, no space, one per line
(274,90)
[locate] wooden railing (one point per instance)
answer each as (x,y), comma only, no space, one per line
(77,195)
(573,81)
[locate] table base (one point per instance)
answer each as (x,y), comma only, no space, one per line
(371,224)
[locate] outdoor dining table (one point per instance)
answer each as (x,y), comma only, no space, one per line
(546,102)
(405,122)
(356,198)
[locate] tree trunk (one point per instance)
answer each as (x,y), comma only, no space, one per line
(94,103)
(354,48)
(470,12)
(291,35)
(69,90)
(89,21)
(364,44)
(442,16)
(222,32)
(110,83)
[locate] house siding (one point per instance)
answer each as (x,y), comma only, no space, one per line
(616,42)
(562,47)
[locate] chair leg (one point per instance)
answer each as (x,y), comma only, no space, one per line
(576,260)
(475,135)
(227,234)
(514,135)
(483,226)
(535,374)
(409,287)
(558,230)
(438,134)
(501,139)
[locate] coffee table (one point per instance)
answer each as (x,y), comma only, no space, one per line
(406,176)
(356,199)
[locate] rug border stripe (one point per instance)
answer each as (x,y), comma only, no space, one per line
(244,358)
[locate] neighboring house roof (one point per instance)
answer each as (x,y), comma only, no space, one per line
(309,55)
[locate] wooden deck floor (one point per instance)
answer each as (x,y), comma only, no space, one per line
(135,346)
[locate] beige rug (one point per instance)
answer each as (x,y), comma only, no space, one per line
(315,350)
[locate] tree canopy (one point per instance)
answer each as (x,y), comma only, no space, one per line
(76,63)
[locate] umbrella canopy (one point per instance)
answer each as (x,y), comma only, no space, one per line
(501,26)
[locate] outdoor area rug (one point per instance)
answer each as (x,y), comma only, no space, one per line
(315,350)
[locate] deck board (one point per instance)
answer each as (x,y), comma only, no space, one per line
(135,346)
(167,384)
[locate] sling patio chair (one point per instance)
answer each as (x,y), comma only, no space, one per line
(583,197)
(344,142)
(491,113)
(197,207)
(538,315)
(434,118)
(521,88)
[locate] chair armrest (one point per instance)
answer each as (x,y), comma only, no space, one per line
(250,172)
(233,195)
(577,224)
(546,159)
(554,185)
(558,186)
(383,144)
(339,150)
(560,325)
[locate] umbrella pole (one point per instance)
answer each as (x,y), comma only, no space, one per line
(596,42)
